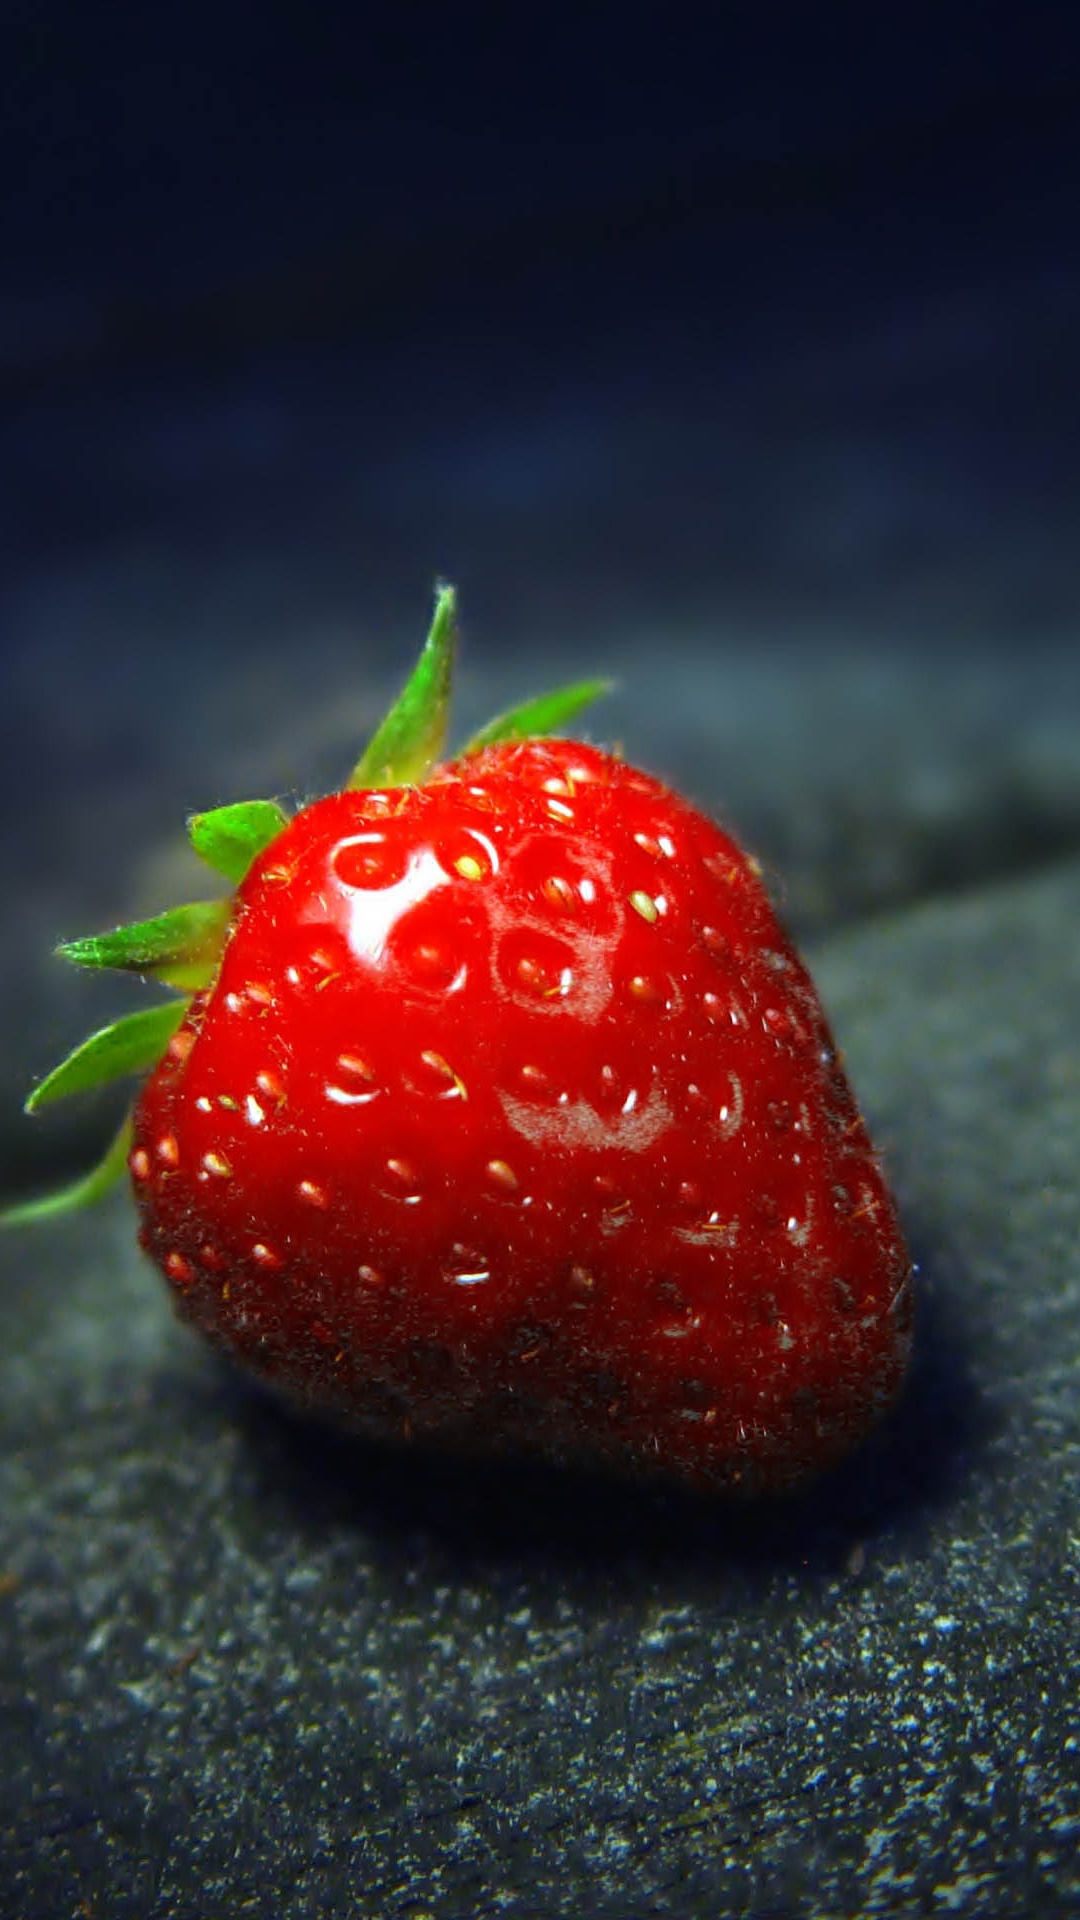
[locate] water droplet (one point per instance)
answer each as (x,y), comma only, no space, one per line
(168,1150)
(204,1104)
(178,1269)
(253,1113)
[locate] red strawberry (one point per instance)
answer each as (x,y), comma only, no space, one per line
(505,1115)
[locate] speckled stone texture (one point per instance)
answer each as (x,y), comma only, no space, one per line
(248,1667)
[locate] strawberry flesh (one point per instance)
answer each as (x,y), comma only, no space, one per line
(512,1120)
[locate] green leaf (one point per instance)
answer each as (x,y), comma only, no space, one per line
(408,743)
(548,713)
(129,1045)
(81,1193)
(228,838)
(181,947)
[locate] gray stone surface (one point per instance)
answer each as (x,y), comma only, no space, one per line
(249,1667)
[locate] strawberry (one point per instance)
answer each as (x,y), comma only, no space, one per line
(499,1111)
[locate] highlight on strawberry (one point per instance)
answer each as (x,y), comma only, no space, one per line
(493,1109)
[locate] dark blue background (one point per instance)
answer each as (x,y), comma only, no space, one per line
(774,312)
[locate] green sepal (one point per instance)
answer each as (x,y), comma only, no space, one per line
(548,713)
(228,838)
(81,1192)
(411,738)
(181,947)
(129,1045)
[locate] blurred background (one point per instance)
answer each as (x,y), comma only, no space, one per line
(733,353)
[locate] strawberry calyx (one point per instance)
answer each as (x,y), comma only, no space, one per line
(181,947)
(128,1045)
(408,743)
(228,838)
